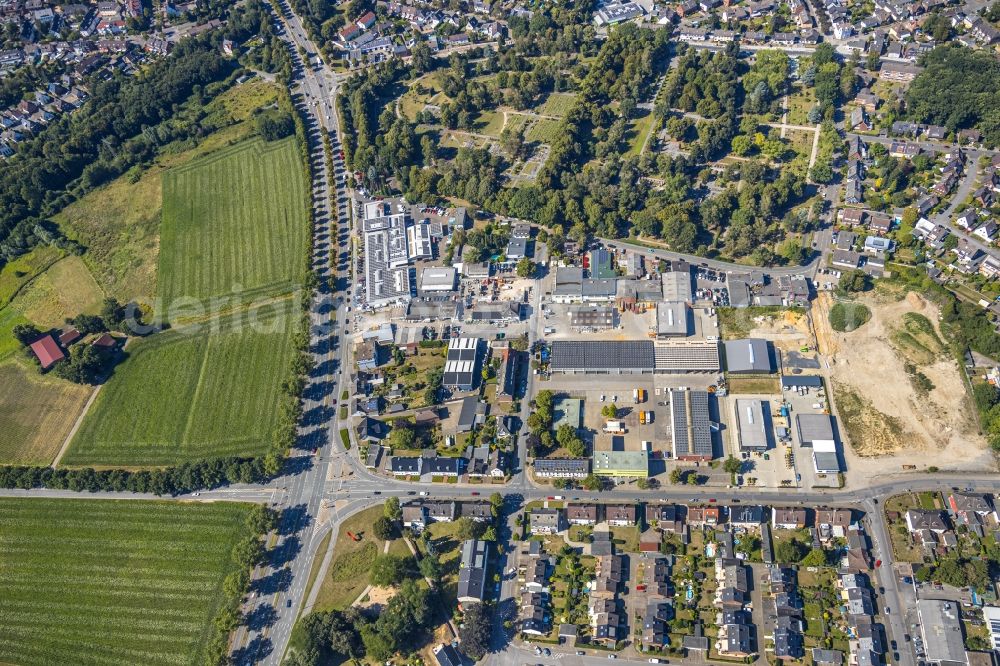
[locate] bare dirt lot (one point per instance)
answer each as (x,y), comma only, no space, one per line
(898,392)
(788,330)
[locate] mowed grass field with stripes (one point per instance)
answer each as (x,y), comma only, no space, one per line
(207,390)
(235,218)
(112,581)
(234,223)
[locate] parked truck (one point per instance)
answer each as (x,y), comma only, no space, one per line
(642,418)
(635,396)
(614,427)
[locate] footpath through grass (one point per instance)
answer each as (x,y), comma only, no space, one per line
(204,391)
(234,223)
(112,582)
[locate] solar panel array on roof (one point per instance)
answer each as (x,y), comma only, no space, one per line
(690,425)
(460,365)
(607,356)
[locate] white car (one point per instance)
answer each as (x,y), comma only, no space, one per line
(603,398)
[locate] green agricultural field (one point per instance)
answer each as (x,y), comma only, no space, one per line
(208,390)
(112,582)
(234,223)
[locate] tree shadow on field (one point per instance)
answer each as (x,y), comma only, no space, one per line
(254,652)
(260,617)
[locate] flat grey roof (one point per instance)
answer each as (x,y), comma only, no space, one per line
(672,318)
(813,427)
(795,381)
(570,355)
(750,415)
(676,285)
(748,355)
(941,626)
(438,278)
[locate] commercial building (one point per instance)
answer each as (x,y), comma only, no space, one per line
(461,367)
(387,274)
(595,357)
(941,629)
(567,411)
(673,319)
(690,425)
(634,357)
(418,239)
(472,571)
(628,464)
(748,356)
(676,284)
(753,428)
(817,431)
(592,317)
(687,356)
(437,279)
(599,261)
(562,468)
(991,615)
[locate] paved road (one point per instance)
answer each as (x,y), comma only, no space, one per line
(965,187)
(807,270)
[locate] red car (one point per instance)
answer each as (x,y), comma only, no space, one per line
(878,563)
(475,492)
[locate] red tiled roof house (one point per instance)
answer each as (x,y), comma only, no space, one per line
(47,351)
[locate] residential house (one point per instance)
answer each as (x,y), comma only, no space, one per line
(747,516)
(699,516)
(581,514)
(833,522)
(987,231)
(926,519)
(620,515)
(546,521)
(472,572)
(666,517)
(788,518)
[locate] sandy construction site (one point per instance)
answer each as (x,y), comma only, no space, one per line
(898,392)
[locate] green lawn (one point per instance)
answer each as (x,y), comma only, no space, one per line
(188,393)
(234,223)
(112,582)
(544,130)
(17,273)
(352,560)
(557,104)
(9,318)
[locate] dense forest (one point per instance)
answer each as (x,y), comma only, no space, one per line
(125,121)
(959,88)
